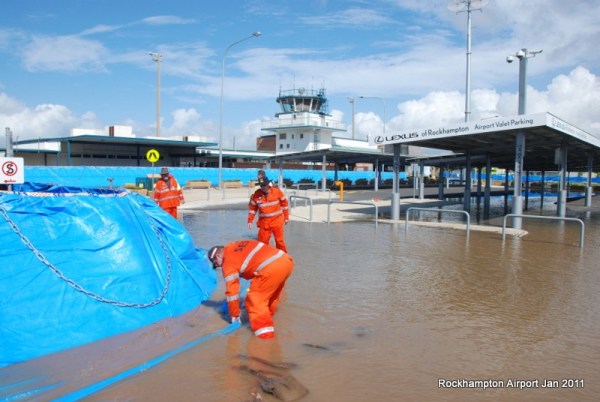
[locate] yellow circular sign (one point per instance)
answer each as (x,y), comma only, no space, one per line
(152,155)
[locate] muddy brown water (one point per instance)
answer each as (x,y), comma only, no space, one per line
(377,314)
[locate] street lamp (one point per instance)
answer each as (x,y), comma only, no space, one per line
(351,100)
(522,55)
(254,35)
(156,57)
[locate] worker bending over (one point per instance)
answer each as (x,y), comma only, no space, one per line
(267,269)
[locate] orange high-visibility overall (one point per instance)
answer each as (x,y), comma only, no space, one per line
(168,195)
(273,214)
(267,269)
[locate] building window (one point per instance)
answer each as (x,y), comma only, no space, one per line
(301,135)
(287,146)
(292,136)
(280,146)
(282,136)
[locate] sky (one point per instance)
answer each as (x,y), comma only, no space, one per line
(68,64)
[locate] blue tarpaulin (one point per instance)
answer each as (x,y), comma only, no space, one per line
(82,264)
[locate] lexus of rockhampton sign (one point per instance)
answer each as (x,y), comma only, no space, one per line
(485,126)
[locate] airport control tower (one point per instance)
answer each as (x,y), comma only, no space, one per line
(303,123)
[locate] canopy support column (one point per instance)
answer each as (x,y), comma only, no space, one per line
(589,188)
(395,205)
(488,187)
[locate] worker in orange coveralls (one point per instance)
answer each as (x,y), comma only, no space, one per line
(267,269)
(273,213)
(167,193)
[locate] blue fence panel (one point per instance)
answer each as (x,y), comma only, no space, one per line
(93,176)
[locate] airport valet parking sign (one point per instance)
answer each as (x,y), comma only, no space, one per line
(12,171)
(457,130)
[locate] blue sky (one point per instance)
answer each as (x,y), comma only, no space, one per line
(84,63)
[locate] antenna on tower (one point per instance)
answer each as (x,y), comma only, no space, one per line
(466,6)
(459,6)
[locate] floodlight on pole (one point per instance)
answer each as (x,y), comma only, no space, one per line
(254,35)
(156,57)
(522,55)
(466,6)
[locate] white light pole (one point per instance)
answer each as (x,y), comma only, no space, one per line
(351,100)
(522,55)
(254,35)
(156,57)
(466,6)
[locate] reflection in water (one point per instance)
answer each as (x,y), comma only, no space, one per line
(394,313)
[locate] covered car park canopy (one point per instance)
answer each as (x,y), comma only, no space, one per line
(496,139)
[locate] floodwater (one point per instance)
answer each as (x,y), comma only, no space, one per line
(380,314)
(398,315)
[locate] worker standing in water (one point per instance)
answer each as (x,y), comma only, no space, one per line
(273,213)
(167,192)
(267,269)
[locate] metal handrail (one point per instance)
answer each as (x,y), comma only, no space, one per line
(328,190)
(553,218)
(316,185)
(294,197)
(350,202)
(438,211)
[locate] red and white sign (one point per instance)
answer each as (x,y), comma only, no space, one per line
(12,171)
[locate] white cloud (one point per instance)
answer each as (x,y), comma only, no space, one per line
(246,137)
(9,106)
(167,20)
(64,53)
(183,118)
(434,108)
(102,28)
(44,120)
(574,97)
(367,124)
(89,120)
(356,17)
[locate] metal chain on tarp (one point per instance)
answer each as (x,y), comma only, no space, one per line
(78,287)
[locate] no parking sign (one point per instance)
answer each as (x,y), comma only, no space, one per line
(12,171)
